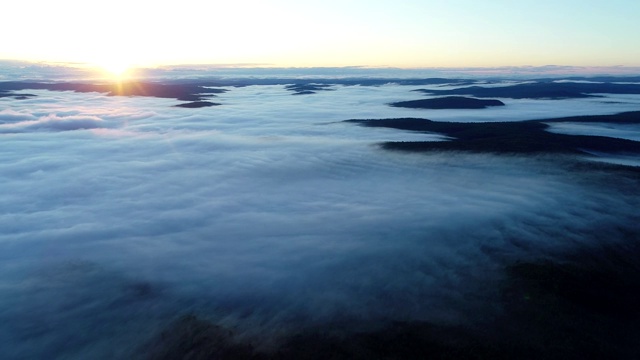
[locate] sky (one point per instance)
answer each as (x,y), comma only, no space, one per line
(292,33)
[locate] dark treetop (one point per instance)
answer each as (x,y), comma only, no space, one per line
(448,102)
(541,90)
(183,92)
(509,137)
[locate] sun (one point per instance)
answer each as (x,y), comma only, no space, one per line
(115,68)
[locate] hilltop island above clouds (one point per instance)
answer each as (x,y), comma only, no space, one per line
(509,137)
(526,137)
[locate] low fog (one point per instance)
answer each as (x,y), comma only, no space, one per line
(267,215)
(622,131)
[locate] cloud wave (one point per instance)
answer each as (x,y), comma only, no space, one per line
(266,216)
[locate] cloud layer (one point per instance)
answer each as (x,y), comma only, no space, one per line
(267,216)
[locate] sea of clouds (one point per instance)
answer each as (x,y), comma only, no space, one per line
(267,215)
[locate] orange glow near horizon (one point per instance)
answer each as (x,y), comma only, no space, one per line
(288,33)
(116,70)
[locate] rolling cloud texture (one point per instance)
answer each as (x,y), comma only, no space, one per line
(268,216)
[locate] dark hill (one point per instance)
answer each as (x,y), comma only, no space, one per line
(507,137)
(197,104)
(183,92)
(448,102)
(541,90)
(307,89)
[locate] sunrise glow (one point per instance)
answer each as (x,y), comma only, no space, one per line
(114,68)
(356,33)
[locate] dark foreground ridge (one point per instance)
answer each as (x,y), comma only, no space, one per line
(448,102)
(584,306)
(509,137)
(190,337)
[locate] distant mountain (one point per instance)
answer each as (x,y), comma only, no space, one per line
(197,104)
(307,89)
(448,102)
(183,92)
(541,90)
(508,137)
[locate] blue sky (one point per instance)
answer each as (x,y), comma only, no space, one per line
(407,33)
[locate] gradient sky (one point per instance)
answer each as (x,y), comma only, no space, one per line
(409,33)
